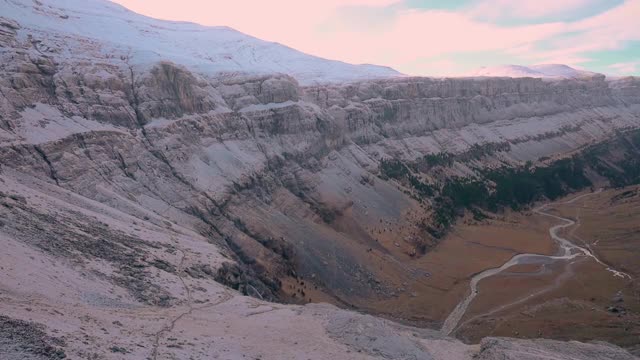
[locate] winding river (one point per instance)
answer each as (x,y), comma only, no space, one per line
(567,251)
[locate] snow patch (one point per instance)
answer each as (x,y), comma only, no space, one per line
(43,123)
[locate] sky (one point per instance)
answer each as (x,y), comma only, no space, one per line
(432,37)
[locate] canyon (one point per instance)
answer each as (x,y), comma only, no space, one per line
(155,208)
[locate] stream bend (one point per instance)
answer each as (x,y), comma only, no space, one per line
(567,251)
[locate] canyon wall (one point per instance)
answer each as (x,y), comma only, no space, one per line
(283,178)
(136,188)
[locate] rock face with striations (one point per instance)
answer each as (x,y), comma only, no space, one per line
(133,185)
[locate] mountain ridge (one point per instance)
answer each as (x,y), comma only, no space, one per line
(212,50)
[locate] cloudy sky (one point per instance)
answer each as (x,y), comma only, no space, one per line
(432,37)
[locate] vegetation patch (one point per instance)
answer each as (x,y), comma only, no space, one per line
(616,160)
(25,340)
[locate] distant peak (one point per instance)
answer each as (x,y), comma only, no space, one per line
(552,71)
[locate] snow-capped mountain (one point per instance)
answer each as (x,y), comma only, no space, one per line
(145,190)
(109,28)
(549,71)
(506,71)
(561,71)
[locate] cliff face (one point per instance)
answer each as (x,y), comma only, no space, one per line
(231,156)
(149,179)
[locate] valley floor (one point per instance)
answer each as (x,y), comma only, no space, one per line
(469,249)
(579,299)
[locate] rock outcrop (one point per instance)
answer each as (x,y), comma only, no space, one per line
(133,187)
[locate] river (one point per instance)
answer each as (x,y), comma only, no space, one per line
(567,251)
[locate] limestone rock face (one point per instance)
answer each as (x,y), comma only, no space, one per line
(8,31)
(414,107)
(132,184)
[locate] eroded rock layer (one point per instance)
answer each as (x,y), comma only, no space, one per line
(140,188)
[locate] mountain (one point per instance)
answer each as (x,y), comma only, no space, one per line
(562,71)
(507,71)
(110,28)
(152,207)
(548,71)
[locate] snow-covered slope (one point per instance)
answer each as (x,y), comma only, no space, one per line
(561,70)
(108,28)
(507,71)
(552,71)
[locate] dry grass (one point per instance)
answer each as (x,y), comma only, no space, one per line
(573,301)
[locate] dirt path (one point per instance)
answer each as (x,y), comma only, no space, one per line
(167,329)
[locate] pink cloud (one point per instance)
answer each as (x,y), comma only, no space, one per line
(610,30)
(625,68)
(290,22)
(410,37)
(425,34)
(525,9)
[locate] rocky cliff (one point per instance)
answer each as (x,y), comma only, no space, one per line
(135,189)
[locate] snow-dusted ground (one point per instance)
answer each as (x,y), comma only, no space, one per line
(79,304)
(211,50)
(43,123)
